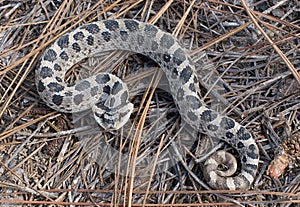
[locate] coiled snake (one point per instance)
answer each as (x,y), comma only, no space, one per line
(108,96)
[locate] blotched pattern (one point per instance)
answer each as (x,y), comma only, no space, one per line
(108,96)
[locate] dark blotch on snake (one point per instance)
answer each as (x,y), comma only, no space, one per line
(124,97)
(154,46)
(193,102)
(68,93)
(69,109)
(195,79)
(102,79)
(175,73)
(106,36)
(252,147)
(243,134)
(244,158)
(150,30)
(63,42)
(94,91)
(58,79)
(78,36)
(111,25)
(227,123)
(62,108)
(112,102)
(240,145)
(192,87)
(252,155)
(229,135)
(253,167)
(90,40)
(81,86)
(179,56)
(180,94)
(57,99)
(91,28)
(186,74)
(78,99)
(124,35)
(140,39)
(212,127)
(57,67)
(106,89)
(166,58)
(116,88)
(45,72)
(76,47)
(50,55)
(71,84)
(108,121)
(41,87)
(131,25)
(55,87)
(167,41)
(64,56)
(208,116)
(247,136)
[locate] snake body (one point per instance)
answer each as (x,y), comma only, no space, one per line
(108,96)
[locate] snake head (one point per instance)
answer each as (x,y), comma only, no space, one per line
(112,119)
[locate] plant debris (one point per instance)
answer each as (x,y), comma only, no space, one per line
(247,53)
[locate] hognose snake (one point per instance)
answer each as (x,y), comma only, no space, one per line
(108,96)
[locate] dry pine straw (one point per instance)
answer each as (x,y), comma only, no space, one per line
(253,52)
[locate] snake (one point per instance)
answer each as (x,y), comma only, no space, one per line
(109,99)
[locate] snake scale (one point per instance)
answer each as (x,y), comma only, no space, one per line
(108,96)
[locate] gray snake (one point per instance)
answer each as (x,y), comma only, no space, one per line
(108,96)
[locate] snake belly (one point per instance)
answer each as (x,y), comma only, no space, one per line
(163,48)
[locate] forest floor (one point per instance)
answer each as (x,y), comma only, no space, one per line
(247,55)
